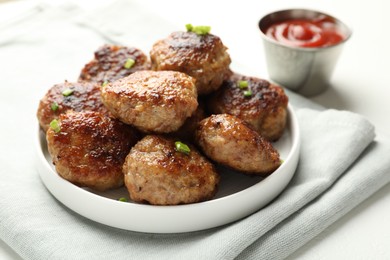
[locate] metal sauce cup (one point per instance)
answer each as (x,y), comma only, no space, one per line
(301,69)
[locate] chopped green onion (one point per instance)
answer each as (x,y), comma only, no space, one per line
(54,106)
(281,161)
(247,93)
(189,27)
(129,63)
(67,92)
(123,199)
(104,83)
(55,125)
(182,148)
(242,84)
(200,30)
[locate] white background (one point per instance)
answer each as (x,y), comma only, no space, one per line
(361,83)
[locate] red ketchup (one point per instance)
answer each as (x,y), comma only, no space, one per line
(319,32)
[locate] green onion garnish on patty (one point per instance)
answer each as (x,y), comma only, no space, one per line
(54,106)
(67,92)
(129,63)
(182,147)
(247,93)
(55,125)
(200,30)
(242,84)
(104,83)
(189,27)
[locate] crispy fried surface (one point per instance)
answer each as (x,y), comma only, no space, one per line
(158,174)
(85,97)
(90,149)
(153,101)
(203,57)
(228,140)
(265,110)
(109,64)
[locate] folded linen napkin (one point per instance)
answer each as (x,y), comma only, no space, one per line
(340,165)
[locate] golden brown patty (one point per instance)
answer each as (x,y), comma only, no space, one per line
(203,57)
(152,101)
(265,109)
(76,96)
(110,61)
(89,149)
(228,140)
(158,174)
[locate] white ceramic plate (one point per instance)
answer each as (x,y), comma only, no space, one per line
(239,195)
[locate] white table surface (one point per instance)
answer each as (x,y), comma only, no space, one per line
(361,83)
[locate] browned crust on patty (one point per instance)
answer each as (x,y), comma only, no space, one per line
(90,149)
(109,64)
(265,110)
(85,97)
(203,57)
(152,101)
(158,174)
(228,140)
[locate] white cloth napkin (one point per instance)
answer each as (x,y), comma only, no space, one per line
(341,163)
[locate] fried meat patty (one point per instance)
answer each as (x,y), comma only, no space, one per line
(76,96)
(152,101)
(158,174)
(229,141)
(265,109)
(111,63)
(203,57)
(89,149)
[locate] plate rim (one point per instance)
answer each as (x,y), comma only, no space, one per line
(182,216)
